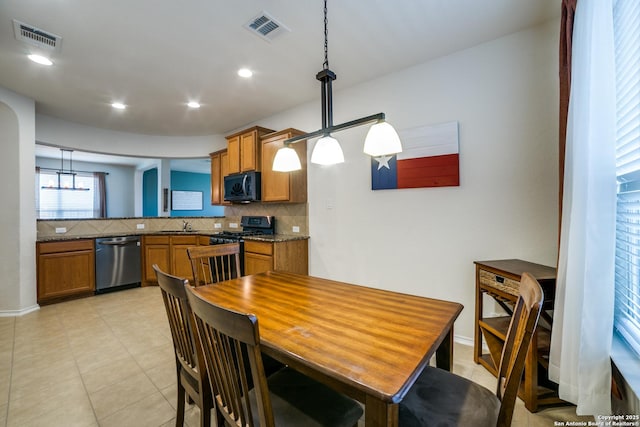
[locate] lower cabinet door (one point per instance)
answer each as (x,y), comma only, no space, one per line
(181,264)
(154,254)
(257,263)
(65,274)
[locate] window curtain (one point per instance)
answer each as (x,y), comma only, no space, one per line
(37,191)
(99,195)
(583,317)
(566,38)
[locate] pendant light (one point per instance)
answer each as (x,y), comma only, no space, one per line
(381,140)
(69,173)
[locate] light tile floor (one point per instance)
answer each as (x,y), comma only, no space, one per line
(108,361)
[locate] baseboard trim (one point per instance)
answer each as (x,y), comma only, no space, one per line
(17,313)
(463,340)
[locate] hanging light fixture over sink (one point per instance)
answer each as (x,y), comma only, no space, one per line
(70,182)
(381,140)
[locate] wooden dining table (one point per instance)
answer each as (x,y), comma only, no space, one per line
(370,344)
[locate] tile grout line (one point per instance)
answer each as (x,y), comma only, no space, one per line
(94,308)
(59,316)
(93,305)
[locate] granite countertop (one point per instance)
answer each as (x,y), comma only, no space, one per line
(264,238)
(277,237)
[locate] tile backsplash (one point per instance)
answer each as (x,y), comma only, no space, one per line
(288,215)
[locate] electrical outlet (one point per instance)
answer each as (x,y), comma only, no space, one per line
(140,226)
(217,225)
(60,230)
(296,229)
(233,225)
(330,204)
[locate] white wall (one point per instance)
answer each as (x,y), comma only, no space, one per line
(17,217)
(424,241)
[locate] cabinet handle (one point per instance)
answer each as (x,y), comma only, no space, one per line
(499,279)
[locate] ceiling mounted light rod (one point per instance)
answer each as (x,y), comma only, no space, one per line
(374,118)
(381,139)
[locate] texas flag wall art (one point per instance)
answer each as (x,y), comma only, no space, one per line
(429,158)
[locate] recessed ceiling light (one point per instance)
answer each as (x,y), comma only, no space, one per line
(193,104)
(245,72)
(40,59)
(118,105)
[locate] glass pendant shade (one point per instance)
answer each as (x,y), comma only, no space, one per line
(286,160)
(382,139)
(327,151)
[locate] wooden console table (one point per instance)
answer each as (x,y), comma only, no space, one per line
(500,279)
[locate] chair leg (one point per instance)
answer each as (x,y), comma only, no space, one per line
(180,408)
(219,419)
(205,415)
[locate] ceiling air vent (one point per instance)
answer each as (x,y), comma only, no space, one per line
(265,26)
(36,37)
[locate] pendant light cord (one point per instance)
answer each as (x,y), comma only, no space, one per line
(325,65)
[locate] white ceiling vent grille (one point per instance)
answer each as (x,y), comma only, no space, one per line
(266,27)
(36,37)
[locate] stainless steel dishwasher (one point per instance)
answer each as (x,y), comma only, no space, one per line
(117,263)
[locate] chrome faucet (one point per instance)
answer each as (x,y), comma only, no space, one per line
(186,226)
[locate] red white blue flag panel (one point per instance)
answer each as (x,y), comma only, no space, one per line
(429,158)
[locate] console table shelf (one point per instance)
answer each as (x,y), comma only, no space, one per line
(500,279)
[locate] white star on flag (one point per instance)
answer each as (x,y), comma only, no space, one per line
(383,162)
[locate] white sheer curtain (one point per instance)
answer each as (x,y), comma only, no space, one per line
(583,317)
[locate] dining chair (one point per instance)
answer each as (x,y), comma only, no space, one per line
(214,263)
(441,398)
(191,379)
(286,398)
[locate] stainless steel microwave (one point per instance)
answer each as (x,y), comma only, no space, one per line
(242,187)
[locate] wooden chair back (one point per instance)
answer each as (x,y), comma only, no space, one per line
(227,338)
(190,376)
(521,328)
(214,263)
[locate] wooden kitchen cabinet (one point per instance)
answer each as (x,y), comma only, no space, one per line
(233,151)
(288,187)
(243,149)
(65,269)
(500,280)
(170,253)
(155,250)
(180,263)
(290,255)
(219,169)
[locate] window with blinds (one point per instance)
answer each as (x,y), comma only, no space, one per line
(627,53)
(55,203)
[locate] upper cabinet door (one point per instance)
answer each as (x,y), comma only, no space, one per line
(275,185)
(249,152)
(233,151)
(216,179)
(283,186)
(243,149)
(219,169)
